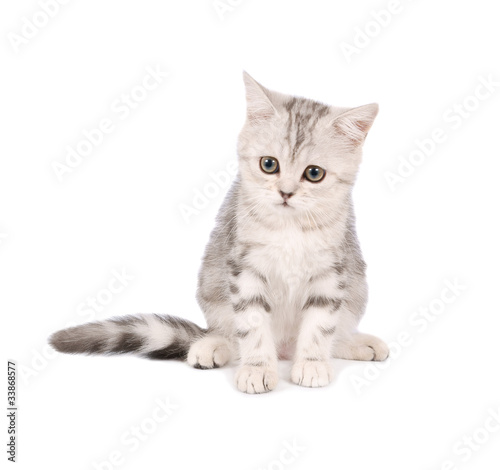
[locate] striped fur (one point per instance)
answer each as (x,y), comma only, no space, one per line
(152,336)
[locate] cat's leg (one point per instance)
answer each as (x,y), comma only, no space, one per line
(209,352)
(258,371)
(311,366)
(361,347)
(349,343)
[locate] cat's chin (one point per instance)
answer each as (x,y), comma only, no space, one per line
(285,210)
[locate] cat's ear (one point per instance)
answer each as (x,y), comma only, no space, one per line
(259,105)
(355,123)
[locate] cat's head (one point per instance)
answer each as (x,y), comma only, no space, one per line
(297,156)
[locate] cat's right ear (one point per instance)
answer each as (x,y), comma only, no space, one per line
(259,105)
(356,122)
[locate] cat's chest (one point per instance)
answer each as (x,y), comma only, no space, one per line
(291,257)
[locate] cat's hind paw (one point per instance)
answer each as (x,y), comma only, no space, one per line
(361,347)
(209,353)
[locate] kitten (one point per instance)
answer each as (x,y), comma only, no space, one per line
(282,275)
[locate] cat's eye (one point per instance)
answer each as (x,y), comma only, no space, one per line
(314,173)
(269,165)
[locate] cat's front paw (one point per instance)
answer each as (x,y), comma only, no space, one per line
(312,373)
(256,379)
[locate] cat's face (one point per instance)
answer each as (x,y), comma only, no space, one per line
(298,157)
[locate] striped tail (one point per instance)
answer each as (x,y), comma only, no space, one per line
(153,336)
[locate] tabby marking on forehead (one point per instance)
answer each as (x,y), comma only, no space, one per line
(303,115)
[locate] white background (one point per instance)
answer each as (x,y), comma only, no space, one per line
(120,208)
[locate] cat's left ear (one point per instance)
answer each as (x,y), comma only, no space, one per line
(259,105)
(355,123)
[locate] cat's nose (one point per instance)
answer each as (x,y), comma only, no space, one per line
(286,196)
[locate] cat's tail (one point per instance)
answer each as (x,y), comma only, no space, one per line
(153,336)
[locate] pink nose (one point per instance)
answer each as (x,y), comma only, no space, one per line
(286,196)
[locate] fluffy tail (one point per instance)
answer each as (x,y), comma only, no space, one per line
(153,336)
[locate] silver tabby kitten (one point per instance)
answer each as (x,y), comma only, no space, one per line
(282,275)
